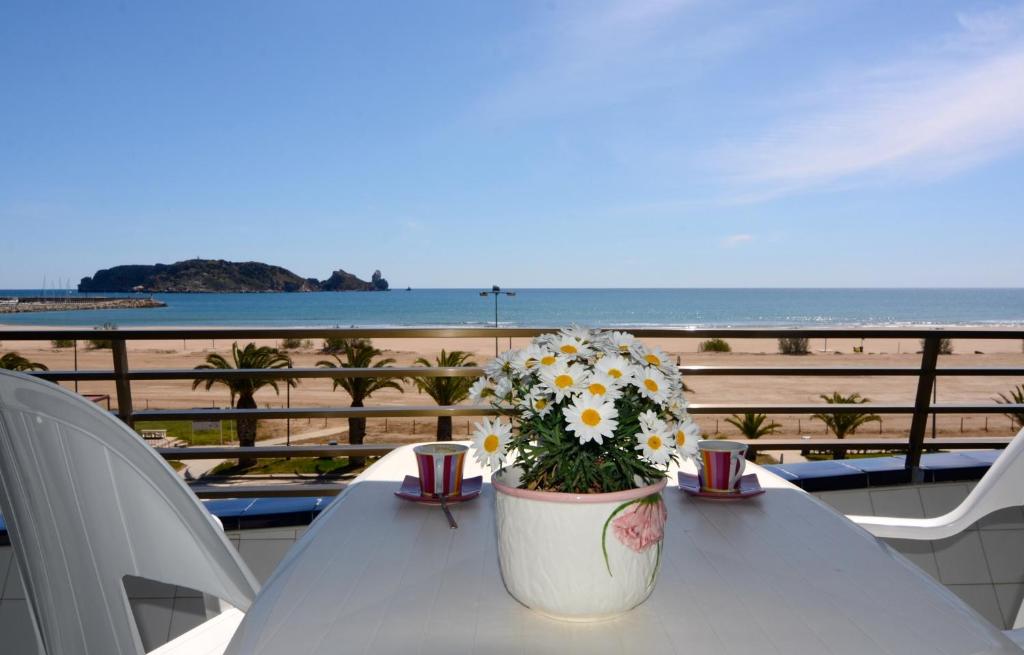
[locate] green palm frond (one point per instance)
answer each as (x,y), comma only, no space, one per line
(844,424)
(752,425)
(12,361)
(249,357)
(1015,397)
(360,353)
(446,390)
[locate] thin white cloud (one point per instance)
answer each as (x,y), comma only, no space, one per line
(604,52)
(736,240)
(953,106)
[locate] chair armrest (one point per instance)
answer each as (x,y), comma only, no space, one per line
(891,527)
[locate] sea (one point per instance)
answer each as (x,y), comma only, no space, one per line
(555,307)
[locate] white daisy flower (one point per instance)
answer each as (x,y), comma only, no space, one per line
(677,406)
(563,379)
(656,442)
(591,418)
(652,384)
(655,357)
(623,341)
(547,340)
(490,442)
(687,434)
(617,367)
(503,389)
(604,386)
(528,359)
(648,419)
(539,403)
(571,347)
(578,332)
(501,365)
(479,389)
(548,359)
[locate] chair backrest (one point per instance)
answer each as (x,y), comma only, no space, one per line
(87,503)
(1002,486)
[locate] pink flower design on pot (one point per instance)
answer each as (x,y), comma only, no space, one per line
(642,524)
(638,525)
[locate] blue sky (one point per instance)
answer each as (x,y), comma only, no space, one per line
(532,144)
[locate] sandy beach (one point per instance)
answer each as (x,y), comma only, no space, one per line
(706,389)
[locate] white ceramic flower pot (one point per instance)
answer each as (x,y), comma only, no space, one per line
(578,557)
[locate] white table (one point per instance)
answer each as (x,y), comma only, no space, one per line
(782,573)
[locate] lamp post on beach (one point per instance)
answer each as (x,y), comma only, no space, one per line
(496,291)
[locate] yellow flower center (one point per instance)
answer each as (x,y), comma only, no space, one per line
(491,443)
(651,385)
(615,373)
(563,381)
(568,349)
(540,404)
(680,437)
(653,360)
(623,347)
(547,360)
(654,442)
(597,389)
(591,417)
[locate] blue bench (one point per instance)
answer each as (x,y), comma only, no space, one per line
(830,475)
(250,513)
(825,475)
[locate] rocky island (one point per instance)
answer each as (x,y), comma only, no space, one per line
(220,276)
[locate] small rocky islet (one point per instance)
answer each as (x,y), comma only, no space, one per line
(220,276)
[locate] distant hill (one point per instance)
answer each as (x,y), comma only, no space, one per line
(219,276)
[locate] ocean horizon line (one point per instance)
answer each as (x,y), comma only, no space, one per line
(551,326)
(518,288)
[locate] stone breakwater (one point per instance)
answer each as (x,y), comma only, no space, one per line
(21,305)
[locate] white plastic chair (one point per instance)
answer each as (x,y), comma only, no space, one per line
(87,503)
(1001,487)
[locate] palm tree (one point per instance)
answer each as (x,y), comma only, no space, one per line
(243,390)
(752,425)
(12,361)
(844,424)
(446,390)
(1016,397)
(359,353)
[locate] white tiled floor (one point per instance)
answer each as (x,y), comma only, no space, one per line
(984,565)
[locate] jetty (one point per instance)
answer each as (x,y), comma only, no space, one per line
(21,304)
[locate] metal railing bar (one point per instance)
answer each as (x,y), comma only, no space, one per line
(873,408)
(473,371)
(230,334)
(922,402)
(1007,371)
(234,452)
(809,371)
(70,376)
(398,411)
(871,444)
(411,411)
(282,373)
(853,371)
(122,383)
(287,490)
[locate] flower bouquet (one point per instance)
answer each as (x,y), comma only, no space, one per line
(589,422)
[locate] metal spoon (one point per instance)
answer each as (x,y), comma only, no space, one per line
(451,519)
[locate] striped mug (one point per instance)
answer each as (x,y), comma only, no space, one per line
(440,468)
(721,465)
